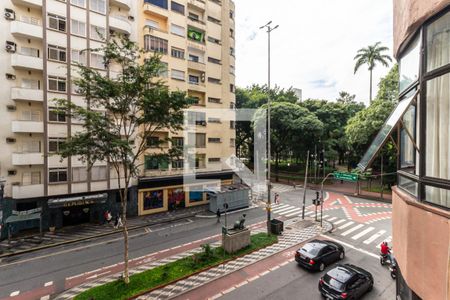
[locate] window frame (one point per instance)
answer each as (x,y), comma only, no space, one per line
(59,171)
(59,50)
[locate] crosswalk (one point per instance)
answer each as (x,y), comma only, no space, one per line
(343,227)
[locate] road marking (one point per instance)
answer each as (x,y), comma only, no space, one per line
(298,213)
(48,283)
(352,229)
(346,225)
(45,297)
(278,206)
(283,209)
(309,213)
(332,219)
(374,237)
(14,293)
(292,212)
(362,233)
(339,221)
(351,246)
(326,216)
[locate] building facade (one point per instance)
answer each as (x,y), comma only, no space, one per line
(42,41)
(421,202)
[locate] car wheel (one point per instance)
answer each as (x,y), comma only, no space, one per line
(370,287)
(342,255)
(321,267)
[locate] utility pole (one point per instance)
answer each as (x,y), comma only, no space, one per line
(269,30)
(304,186)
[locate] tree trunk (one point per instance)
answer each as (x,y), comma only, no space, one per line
(126,275)
(370,86)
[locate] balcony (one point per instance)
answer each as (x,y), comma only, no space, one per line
(19,61)
(23,94)
(26,159)
(122,3)
(27,191)
(200,4)
(27,127)
(198,87)
(195,65)
(196,23)
(29,30)
(156,10)
(119,24)
(28,3)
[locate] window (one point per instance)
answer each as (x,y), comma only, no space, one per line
(197,139)
(57,175)
(54,144)
(153,142)
(232,52)
(30,84)
(57,22)
(214,80)
(194,79)
(438,43)
(177,30)
(97,33)
(56,84)
(196,118)
(78,27)
(213,40)
(214,140)
(214,60)
(231,14)
(199,164)
(437,196)
(98,173)
(214,159)
(193,16)
(174,6)
(178,142)
(152,24)
(160,3)
(81,3)
(409,65)
(32,146)
(232,70)
(177,52)
(28,51)
(232,88)
(214,20)
(214,120)
(79,174)
(178,164)
(97,61)
(196,35)
(31,115)
(164,70)
(407,140)
(79,56)
(408,185)
(98,6)
(177,74)
(232,143)
(232,124)
(193,58)
(57,53)
(30,178)
(55,115)
(153,43)
(214,100)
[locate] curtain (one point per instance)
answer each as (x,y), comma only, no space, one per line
(438,111)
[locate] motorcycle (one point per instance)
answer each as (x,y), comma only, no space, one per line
(390,261)
(393,269)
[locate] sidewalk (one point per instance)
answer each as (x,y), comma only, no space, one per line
(83,232)
(349,189)
(295,233)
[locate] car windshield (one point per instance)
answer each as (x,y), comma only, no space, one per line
(312,249)
(336,284)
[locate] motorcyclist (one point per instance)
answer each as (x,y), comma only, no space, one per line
(385,251)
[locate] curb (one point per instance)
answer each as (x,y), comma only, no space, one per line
(91,237)
(230,212)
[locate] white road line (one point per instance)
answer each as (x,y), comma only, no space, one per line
(332,219)
(351,246)
(45,297)
(297,213)
(291,212)
(277,206)
(339,222)
(346,225)
(323,217)
(48,283)
(362,233)
(277,211)
(309,213)
(14,293)
(352,229)
(374,237)
(389,239)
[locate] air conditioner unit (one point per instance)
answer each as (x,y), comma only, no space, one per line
(10,47)
(202,77)
(11,107)
(131,18)
(10,140)
(10,76)
(12,172)
(9,14)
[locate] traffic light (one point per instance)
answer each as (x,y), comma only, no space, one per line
(317,195)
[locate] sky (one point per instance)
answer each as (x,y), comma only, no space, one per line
(315,45)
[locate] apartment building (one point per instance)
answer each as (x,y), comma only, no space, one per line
(196,41)
(41,41)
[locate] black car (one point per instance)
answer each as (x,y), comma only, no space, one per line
(345,282)
(317,254)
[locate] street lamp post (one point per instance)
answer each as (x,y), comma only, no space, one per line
(269,30)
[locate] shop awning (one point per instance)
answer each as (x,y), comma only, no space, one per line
(385,132)
(27,215)
(78,200)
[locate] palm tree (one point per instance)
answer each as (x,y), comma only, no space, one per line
(370,56)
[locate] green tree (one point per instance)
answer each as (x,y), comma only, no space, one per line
(137,105)
(370,56)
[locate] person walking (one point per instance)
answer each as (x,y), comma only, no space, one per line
(119,222)
(277,198)
(116,221)
(218,215)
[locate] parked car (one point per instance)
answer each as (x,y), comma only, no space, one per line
(317,254)
(345,282)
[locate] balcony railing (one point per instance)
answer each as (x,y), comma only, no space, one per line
(27,191)
(27,27)
(20,61)
(26,159)
(28,3)
(120,24)
(24,94)
(122,3)
(27,126)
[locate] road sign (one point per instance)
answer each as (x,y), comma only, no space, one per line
(353,177)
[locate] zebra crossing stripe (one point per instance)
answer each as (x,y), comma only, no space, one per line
(325,216)
(279,206)
(309,213)
(346,225)
(339,222)
(374,237)
(352,229)
(291,212)
(298,213)
(277,211)
(332,219)
(362,233)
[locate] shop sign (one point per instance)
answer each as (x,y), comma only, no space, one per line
(26,212)
(79,203)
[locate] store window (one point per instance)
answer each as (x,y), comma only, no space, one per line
(195,194)
(153,199)
(176,198)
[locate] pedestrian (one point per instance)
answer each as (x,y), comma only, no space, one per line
(108,216)
(218,215)
(277,198)
(119,222)
(116,221)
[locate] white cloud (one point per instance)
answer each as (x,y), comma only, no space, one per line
(314,47)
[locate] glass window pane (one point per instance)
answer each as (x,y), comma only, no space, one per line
(407,150)
(438,43)
(409,65)
(408,185)
(438,127)
(437,196)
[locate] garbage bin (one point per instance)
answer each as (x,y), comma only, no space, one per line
(276,226)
